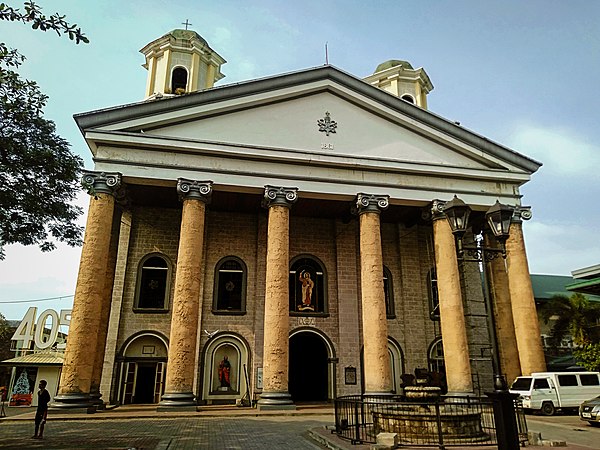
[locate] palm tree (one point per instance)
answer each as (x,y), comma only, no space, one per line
(574,315)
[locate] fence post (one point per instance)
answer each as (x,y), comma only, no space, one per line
(357,422)
(505,418)
(438,419)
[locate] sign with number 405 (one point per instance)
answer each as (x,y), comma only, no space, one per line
(43,335)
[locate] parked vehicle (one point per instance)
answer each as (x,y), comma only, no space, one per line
(549,391)
(590,411)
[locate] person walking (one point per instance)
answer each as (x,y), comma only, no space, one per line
(42,410)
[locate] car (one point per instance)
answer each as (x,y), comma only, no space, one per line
(590,411)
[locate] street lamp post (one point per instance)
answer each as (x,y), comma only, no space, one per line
(498,218)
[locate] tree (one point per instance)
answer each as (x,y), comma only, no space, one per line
(39,176)
(588,356)
(574,315)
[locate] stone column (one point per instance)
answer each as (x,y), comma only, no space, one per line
(452,316)
(527,328)
(275,393)
(82,342)
(377,368)
(181,363)
(503,317)
(105,312)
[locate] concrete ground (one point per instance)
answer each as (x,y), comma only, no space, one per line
(142,427)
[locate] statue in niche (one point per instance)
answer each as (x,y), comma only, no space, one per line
(225,373)
(307,290)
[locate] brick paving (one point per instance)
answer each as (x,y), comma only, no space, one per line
(142,427)
(261,433)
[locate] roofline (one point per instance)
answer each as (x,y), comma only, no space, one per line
(586,272)
(121,113)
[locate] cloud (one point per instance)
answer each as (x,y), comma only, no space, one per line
(559,247)
(561,150)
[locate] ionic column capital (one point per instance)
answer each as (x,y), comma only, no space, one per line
(100,182)
(437,209)
(192,189)
(521,213)
(371,203)
(279,195)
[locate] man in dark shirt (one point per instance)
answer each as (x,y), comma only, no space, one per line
(42,410)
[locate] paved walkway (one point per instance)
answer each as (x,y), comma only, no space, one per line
(142,427)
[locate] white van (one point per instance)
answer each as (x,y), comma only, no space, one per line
(549,391)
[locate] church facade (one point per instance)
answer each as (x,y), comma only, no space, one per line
(284,240)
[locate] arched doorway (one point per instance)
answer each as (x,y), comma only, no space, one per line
(309,374)
(143,364)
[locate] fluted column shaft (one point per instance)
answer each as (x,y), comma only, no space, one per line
(181,363)
(90,298)
(377,368)
(275,393)
(452,317)
(527,328)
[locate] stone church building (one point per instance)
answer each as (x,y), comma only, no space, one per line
(284,240)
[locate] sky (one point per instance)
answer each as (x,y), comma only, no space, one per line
(524,74)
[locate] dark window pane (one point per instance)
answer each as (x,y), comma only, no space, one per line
(152,287)
(589,380)
(388,293)
(567,380)
(230,290)
(541,384)
(432,293)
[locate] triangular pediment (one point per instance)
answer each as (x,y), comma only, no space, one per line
(353,131)
(267,131)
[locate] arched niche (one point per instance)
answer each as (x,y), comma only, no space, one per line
(225,369)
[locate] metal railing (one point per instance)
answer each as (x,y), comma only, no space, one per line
(444,422)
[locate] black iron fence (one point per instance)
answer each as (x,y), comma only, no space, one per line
(443,422)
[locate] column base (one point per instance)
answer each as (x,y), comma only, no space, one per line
(73,403)
(177,401)
(270,401)
(96,399)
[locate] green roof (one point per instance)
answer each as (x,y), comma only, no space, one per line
(591,288)
(547,286)
(393,63)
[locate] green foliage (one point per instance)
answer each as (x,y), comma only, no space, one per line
(574,315)
(38,173)
(588,356)
(33,14)
(4,328)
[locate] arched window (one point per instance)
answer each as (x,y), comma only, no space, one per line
(409,98)
(308,286)
(229,293)
(388,290)
(437,366)
(432,294)
(435,356)
(178,79)
(153,284)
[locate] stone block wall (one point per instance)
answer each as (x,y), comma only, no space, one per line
(407,253)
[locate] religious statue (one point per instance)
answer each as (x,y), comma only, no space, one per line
(225,372)
(307,289)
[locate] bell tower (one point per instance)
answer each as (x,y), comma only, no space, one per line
(179,62)
(399,78)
